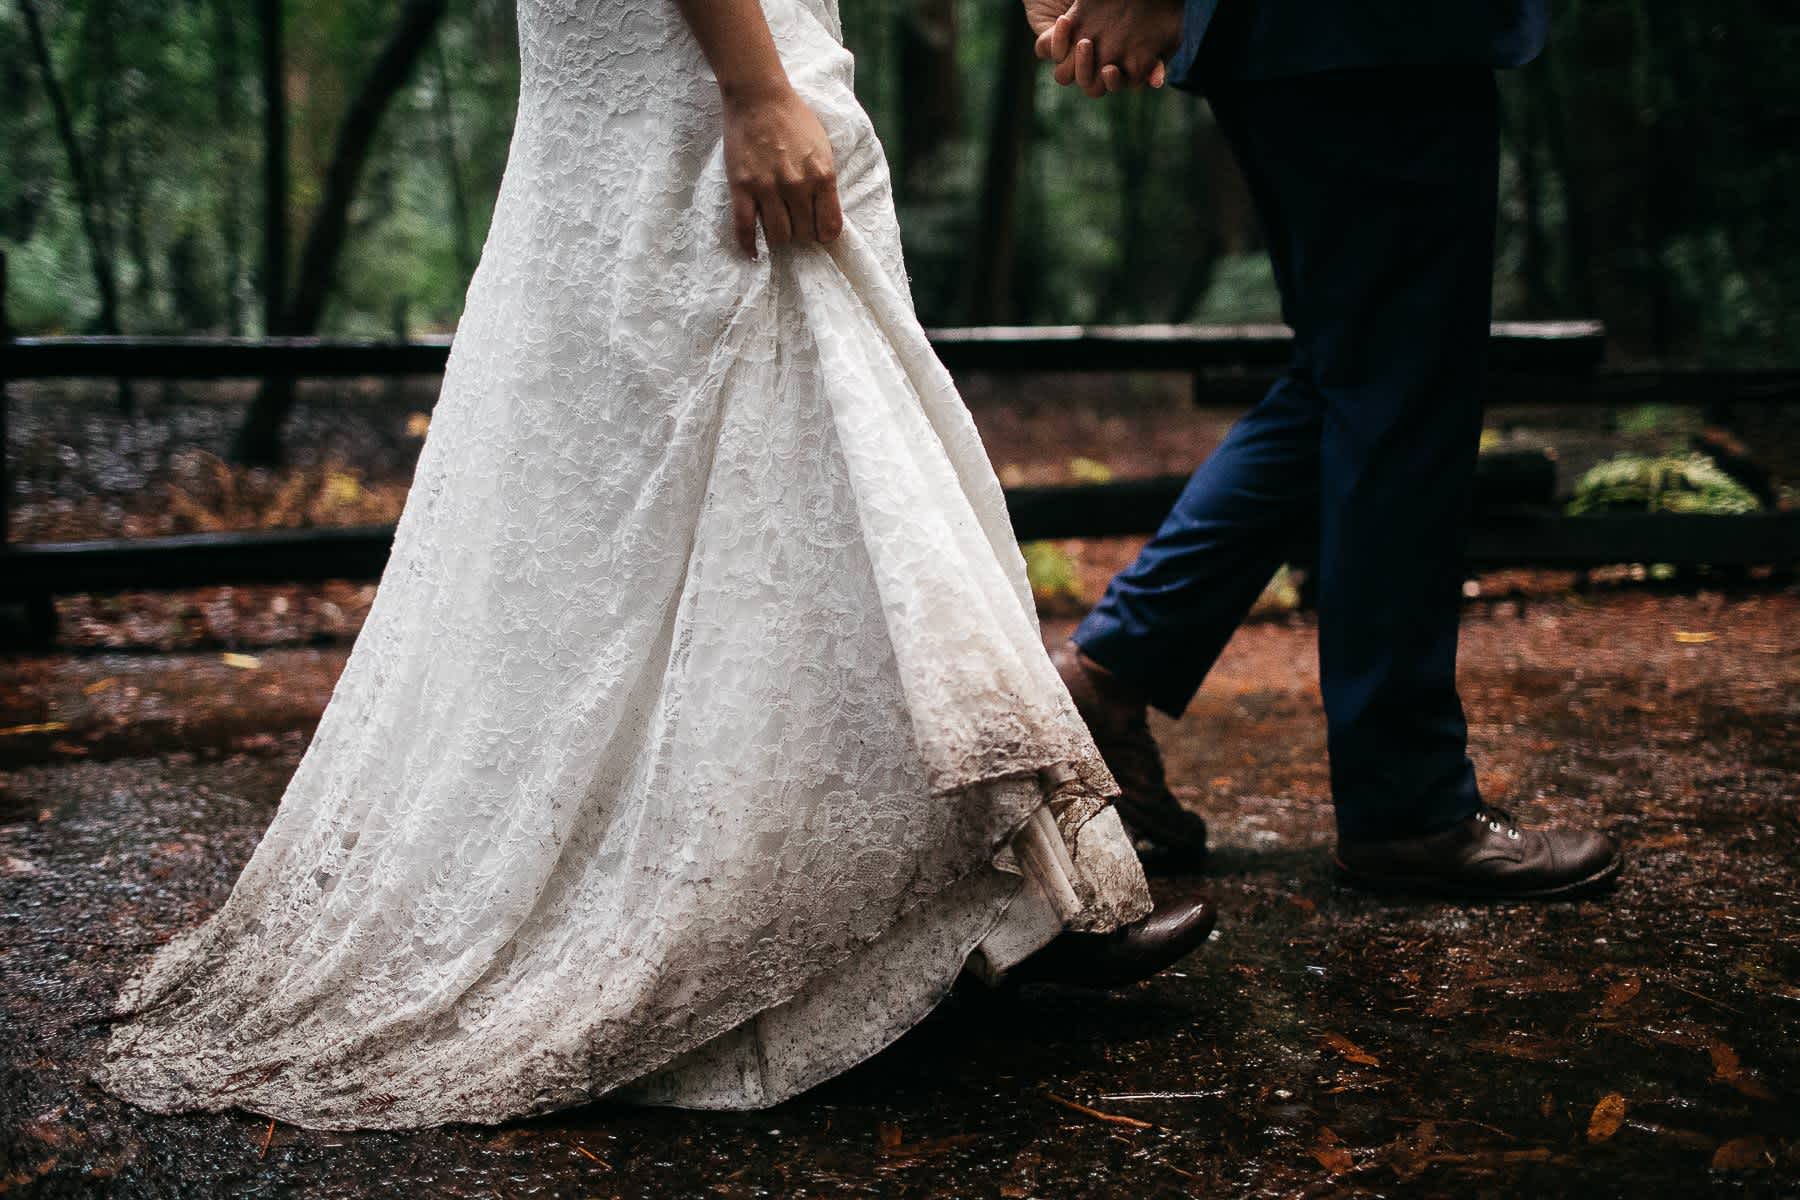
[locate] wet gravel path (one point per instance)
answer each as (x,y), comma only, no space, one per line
(1324,1043)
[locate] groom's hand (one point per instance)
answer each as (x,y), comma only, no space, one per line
(1108,45)
(1042,16)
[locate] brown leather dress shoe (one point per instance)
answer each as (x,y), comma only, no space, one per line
(1126,955)
(1485,857)
(1118,719)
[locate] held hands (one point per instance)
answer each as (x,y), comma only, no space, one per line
(779,164)
(1106,46)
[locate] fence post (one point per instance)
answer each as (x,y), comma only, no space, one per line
(5,469)
(37,621)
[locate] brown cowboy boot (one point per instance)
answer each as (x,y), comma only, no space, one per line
(1484,857)
(1118,718)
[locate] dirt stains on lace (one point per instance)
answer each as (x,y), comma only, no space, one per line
(1324,1043)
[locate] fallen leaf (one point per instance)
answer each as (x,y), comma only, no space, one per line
(1349,1049)
(1694,639)
(1741,1154)
(1608,1115)
(1621,993)
(243,662)
(1729,1069)
(39,727)
(1331,1153)
(99,685)
(1410,1156)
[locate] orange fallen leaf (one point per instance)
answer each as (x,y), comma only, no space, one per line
(1331,1153)
(1741,1154)
(1729,1069)
(1694,639)
(1607,1116)
(38,727)
(1349,1049)
(1621,993)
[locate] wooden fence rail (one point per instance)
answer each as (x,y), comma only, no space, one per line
(1556,363)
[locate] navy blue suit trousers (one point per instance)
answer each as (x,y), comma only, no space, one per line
(1376,191)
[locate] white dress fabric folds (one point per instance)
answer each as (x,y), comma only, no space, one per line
(701,731)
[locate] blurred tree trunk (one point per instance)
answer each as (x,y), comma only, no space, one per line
(461,236)
(227,75)
(1545,90)
(275,167)
(1132,118)
(259,440)
(931,113)
(1211,176)
(94,230)
(134,188)
(988,283)
(1524,133)
(1658,179)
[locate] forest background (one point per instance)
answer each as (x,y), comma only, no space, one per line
(207,166)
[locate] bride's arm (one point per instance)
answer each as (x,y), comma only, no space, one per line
(777,156)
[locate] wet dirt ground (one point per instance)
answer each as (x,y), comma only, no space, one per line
(1324,1043)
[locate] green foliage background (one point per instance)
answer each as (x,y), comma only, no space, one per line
(1650,176)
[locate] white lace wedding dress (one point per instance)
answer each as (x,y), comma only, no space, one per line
(701,731)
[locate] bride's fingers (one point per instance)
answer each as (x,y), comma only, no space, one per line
(743,219)
(1159,74)
(1046,41)
(1065,71)
(1112,78)
(776,226)
(1062,33)
(830,213)
(803,212)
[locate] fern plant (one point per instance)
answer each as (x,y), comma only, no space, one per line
(1682,483)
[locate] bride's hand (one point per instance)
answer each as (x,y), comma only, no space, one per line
(1054,23)
(779,164)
